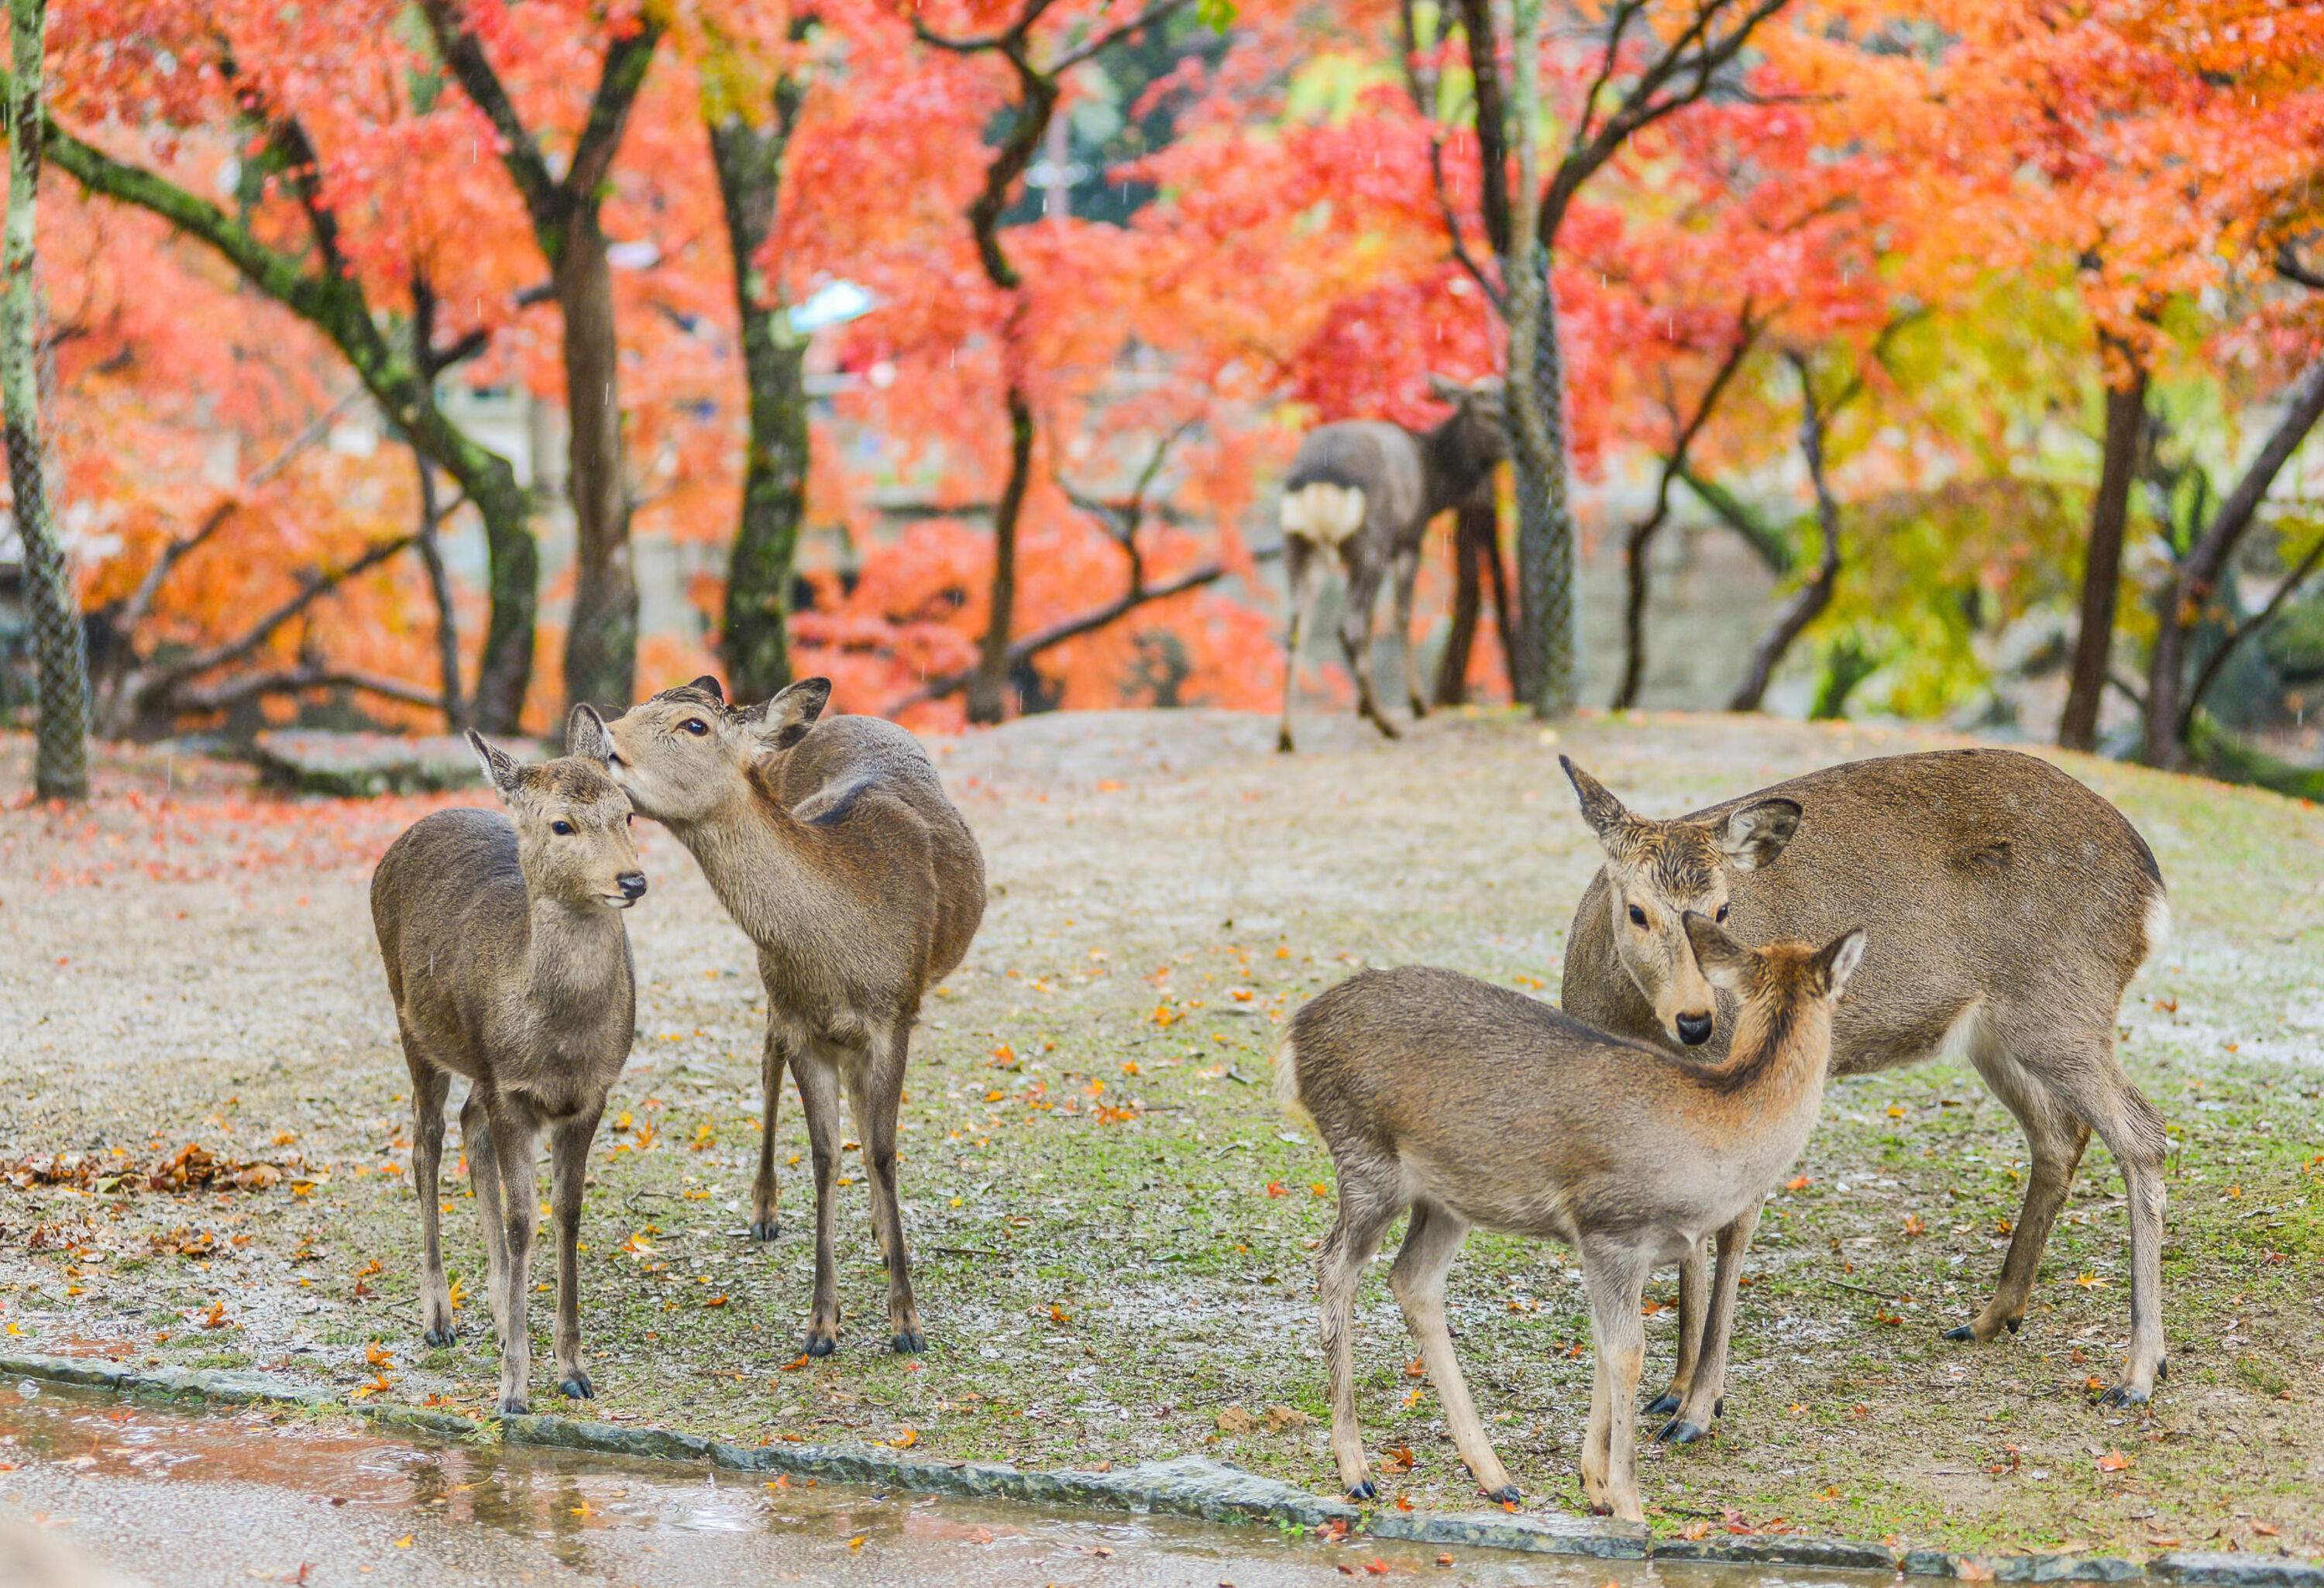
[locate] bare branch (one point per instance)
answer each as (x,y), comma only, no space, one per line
(2292,268)
(230,692)
(2243,632)
(1808,602)
(163,685)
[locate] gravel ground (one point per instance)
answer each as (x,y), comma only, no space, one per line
(1112,1229)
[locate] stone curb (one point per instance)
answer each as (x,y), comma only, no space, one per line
(1191,1486)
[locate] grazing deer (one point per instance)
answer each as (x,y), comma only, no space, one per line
(1366,490)
(510,965)
(2012,906)
(833,845)
(1472,1104)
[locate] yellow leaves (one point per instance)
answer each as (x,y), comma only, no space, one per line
(1914,1226)
(1317,1189)
(2089,1281)
(1412,1399)
(1004,1053)
(797,1362)
(706,1137)
(856,1542)
(1798,1183)
(377,1355)
(368,1269)
(380,1384)
(1164,1016)
(215,1318)
(404,1542)
(1058,1315)
(2113,1461)
(647,1136)
(284,1138)
(717,1300)
(458,1295)
(1896,1111)
(906,1438)
(583,1509)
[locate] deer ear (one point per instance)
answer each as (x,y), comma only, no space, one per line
(501,770)
(1723,960)
(1605,814)
(784,721)
(1757,834)
(708,685)
(586,733)
(1839,958)
(1446,391)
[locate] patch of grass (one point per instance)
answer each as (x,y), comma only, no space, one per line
(1115,1233)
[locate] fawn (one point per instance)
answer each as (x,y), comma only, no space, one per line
(2013,907)
(1472,1104)
(833,847)
(509,964)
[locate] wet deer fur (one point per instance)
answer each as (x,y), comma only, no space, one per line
(1364,491)
(1472,1104)
(509,964)
(2011,907)
(833,845)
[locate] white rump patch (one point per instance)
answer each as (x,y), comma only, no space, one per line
(1287,1083)
(1323,513)
(2157,927)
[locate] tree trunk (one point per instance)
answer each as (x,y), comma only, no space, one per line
(2180,606)
(755,638)
(439,590)
(2125,421)
(61,764)
(601,642)
(988,691)
(1547,667)
(505,674)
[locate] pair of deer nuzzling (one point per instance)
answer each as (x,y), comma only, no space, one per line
(833,846)
(1974,903)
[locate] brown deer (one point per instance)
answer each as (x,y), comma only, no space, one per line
(2012,906)
(509,966)
(833,847)
(1365,490)
(1472,1103)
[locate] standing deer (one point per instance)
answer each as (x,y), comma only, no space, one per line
(1366,490)
(833,846)
(2012,906)
(509,964)
(1472,1104)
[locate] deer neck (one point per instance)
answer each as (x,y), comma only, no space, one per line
(763,863)
(575,955)
(1778,1057)
(1453,471)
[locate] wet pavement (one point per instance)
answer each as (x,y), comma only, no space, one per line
(95,1490)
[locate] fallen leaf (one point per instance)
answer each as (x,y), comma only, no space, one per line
(2113,1461)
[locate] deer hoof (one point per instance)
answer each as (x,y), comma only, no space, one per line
(765,1230)
(1677,1432)
(1663,1405)
(1283,743)
(1718,1406)
(1507,1494)
(907,1342)
(2125,1394)
(1963,1333)
(576,1386)
(2014,1324)
(822,1345)
(1363,1489)
(513,1406)
(439,1338)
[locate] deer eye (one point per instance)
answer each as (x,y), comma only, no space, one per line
(696,727)
(1721,916)
(1638,915)
(561,829)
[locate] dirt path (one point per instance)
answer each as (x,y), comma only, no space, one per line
(1113,1230)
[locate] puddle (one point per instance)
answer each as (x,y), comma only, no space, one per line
(109,1487)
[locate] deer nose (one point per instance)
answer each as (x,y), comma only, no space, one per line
(1695,1029)
(633,886)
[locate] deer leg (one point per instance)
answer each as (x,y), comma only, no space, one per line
(513,1131)
(2103,1098)
(818,1082)
(1299,561)
(1431,1243)
(1356,638)
(568,1167)
(2054,1141)
(876,1093)
(1616,1276)
(485,1179)
(430,1088)
(1694,1302)
(1406,573)
(764,1225)
(1707,1392)
(1369,1201)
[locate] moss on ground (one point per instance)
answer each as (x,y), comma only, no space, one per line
(1113,1231)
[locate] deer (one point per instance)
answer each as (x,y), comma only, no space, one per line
(1364,491)
(832,845)
(509,966)
(2013,907)
(1470,1103)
